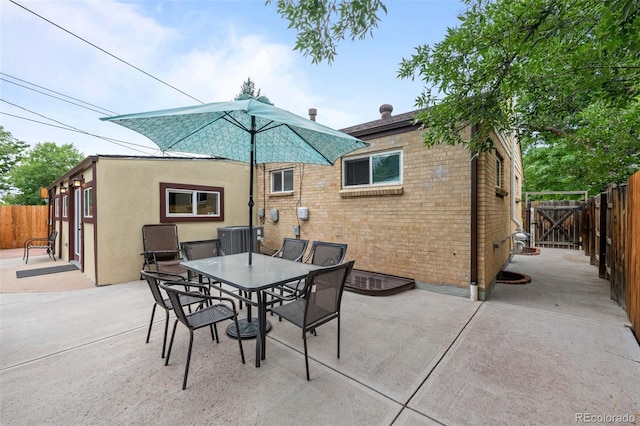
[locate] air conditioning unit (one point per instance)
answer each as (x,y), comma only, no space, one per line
(235,239)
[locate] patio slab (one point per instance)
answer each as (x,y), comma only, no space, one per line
(414,358)
(516,365)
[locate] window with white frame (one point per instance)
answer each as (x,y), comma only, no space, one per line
(88,202)
(281,181)
(65,203)
(56,208)
(185,203)
(374,169)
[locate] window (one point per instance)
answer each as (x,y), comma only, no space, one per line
(499,171)
(56,208)
(185,203)
(88,202)
(65,203)
(282,181)
(375,169)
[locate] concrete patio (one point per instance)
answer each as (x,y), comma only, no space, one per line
(554,351)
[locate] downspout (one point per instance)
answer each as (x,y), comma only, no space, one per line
(513,185)
(473,285)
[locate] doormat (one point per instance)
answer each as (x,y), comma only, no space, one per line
(46,271)
(377,284)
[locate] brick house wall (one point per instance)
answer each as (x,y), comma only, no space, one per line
(420,228)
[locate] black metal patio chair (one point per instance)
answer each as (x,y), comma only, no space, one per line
(207,316)
(292,249)
(320,303)
(48,243)
(322,254)
(153,280)
(194,250)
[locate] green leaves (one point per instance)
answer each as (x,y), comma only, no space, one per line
(563,74)
(40,167)
(11,152)
(321,24)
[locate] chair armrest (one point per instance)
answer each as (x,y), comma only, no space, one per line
(169,277)
(160,251)
(206,296)
(188,284)
(280,297)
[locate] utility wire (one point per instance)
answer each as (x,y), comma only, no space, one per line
(70,128)
(56,97)
(67,127)
(104,111)
(104,51)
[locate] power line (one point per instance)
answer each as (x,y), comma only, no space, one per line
(103,110)
(63,127)
(73,129)
(104,51)
(56,97)
(67,127)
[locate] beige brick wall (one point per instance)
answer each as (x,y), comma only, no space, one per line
(423,232)
(494,210)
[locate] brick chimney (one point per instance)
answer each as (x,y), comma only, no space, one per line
(312,114)
(385,111)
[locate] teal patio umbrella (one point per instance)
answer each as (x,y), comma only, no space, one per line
(249,131)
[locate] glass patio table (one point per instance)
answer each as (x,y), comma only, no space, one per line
(264,273)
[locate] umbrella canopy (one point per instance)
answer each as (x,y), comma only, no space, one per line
(224,129)
(246,130)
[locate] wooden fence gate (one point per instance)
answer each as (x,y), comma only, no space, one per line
(555,224)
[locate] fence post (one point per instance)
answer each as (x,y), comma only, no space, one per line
(602,249)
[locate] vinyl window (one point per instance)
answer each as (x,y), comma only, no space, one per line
(185,203)
(282,181)
(375,169)
(88,202)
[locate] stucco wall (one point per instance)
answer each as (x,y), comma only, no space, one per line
(128,197)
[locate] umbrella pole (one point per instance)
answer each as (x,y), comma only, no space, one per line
(252,163)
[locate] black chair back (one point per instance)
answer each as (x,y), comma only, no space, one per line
(174,296)
(327,254)
(323,293)
(292,249)
(193,250)
(153,281)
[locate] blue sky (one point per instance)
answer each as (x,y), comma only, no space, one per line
(204,48)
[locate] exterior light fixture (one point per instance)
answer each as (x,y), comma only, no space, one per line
(63,190)
(77,183)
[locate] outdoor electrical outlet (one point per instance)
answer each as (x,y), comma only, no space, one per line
(296,231)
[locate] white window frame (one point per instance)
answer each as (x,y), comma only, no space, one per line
(371,156)
(65,204)
(56,208)
(87,209)
(194,203)
(281,173)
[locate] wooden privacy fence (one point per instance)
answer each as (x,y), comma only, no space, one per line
(19,223)
(611,234)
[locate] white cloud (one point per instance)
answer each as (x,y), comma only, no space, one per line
(206,49)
